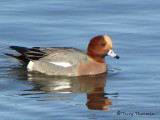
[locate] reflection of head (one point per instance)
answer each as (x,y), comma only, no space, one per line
(94,88)
(98,101)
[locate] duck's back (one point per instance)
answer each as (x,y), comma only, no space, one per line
(63,54)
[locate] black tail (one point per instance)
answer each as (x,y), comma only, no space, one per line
(19,49)
(21,58)
(27,54)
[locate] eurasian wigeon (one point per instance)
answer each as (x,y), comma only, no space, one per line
(66,61)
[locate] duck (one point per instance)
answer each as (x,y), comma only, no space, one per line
(67,61)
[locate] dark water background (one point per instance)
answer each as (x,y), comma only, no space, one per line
(130,91)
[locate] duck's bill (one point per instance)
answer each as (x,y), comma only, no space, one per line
(113,54)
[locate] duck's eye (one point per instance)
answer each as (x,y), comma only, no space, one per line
(103,44)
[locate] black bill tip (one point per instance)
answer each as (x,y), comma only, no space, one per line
(117,57)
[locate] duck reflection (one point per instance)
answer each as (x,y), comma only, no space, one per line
(93,86)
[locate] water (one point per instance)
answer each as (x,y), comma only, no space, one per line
(129,91)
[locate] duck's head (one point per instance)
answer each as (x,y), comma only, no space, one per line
(99,47)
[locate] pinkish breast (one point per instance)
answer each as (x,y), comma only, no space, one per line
(92,68)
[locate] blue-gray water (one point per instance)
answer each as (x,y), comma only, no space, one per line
(130,90)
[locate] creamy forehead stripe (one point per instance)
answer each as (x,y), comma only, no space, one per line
(108,40)
(106,37)
(62,64)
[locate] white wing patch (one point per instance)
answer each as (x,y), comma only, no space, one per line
(62,64)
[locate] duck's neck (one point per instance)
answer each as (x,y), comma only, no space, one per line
(97,58)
